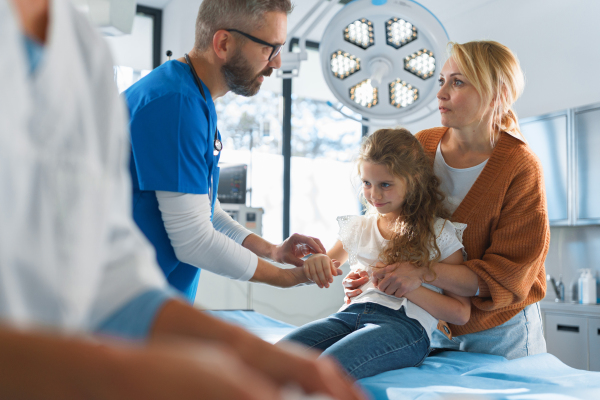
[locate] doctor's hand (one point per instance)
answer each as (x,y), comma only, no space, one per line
(321,269)
(352,282)
(295,247)
(398,279)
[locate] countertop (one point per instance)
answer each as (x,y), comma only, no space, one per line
(570,308)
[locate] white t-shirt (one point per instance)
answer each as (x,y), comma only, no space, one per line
(455,182)
(364,243)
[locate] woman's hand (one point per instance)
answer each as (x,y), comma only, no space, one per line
(398,279)
(352,282)
(320,269)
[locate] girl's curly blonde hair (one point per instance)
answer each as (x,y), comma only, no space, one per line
(413,239)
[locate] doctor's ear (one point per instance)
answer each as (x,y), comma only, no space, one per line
(223,44)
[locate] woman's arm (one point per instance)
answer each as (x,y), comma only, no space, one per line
(512,265)
(456,278)
(448,307)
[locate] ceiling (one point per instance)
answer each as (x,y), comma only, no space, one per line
(445,10)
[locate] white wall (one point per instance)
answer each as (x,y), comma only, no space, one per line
(555,40)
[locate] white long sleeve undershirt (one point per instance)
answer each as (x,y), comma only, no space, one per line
(215,247)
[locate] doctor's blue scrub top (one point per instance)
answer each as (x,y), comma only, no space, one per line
(172,141)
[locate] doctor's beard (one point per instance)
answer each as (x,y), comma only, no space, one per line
(239,76)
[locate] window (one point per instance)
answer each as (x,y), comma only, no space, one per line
(135,55)
(251,132)
(324,145)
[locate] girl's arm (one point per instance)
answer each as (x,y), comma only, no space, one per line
(448,307)
(321,268)
(338,253)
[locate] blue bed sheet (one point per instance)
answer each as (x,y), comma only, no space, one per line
(458,375)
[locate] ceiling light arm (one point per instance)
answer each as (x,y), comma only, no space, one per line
(290,61)
(339,107)
(430,109)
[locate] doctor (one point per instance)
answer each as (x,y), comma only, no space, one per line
(176,148)
(71,257)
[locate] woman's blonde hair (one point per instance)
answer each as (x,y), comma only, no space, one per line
(496,74)
(413,239)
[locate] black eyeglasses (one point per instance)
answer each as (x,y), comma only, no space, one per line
(276,47)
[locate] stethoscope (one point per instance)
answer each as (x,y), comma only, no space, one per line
(218,145)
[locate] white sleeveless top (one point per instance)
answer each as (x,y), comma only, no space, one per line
(364,243)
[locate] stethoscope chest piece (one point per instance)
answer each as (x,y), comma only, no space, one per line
(218,147)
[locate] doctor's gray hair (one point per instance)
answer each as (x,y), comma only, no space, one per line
(244,15)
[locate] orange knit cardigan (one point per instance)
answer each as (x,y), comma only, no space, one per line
(508,232)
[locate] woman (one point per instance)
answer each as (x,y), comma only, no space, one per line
(494,184)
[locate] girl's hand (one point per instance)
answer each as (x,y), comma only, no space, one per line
(321,269)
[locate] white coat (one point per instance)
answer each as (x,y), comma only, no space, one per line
(70,253)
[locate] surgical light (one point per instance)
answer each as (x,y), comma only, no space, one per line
(420,63)
(343,64)
(360,33)
(400,32)
(364,94)
(398,46)
(402,94)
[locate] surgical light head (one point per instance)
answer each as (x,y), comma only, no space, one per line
(377,58)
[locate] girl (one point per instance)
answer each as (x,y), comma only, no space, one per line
(377,332)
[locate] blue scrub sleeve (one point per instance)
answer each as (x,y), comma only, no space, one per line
(134,320)
(169,140)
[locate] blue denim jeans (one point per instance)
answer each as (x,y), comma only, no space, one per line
(367,339)
(520,336)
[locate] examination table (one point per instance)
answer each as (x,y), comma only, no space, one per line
(457,375)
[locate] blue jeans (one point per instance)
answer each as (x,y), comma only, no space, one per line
(520,336)
(367,339)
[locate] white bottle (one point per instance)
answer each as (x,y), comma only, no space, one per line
(587,287)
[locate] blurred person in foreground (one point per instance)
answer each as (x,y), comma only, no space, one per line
(72,261)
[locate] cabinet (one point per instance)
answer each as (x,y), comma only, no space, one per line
(566,338)
(572,333)
(549,139)
(568,146)
(594,340)
(587,162)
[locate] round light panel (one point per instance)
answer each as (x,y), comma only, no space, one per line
(378,59)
